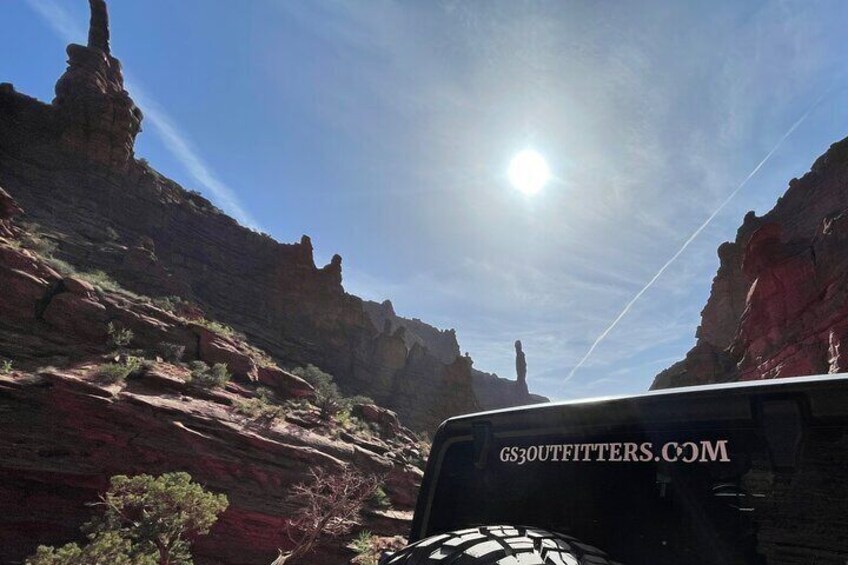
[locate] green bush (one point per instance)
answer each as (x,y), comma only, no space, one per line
(147,520)
(172,304)
(259,409)
(328,399)
(203,375)
(103,281)
(62,267)
(118,336)
(34,241)
(6,366)
(221,329)
(359,399)
(171,352)
(118,372)
(362,543)
(380,499)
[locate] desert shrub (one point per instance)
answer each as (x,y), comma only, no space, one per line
(313,375)
(361,544)
(354,425)
(6,366)
(380,499)
(328,398)
(329,504)
(172,304)
(345,419)
(171,352)
(146,520)
(103,281)
(216,376)
(35,241)
(359,399)
(118,337)
(112,234)
(119,371)
(219,328)
(62,267)
(259,410)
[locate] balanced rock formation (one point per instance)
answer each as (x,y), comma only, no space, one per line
(779,302)
(96,117)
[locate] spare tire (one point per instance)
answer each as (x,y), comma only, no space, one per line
(499,545)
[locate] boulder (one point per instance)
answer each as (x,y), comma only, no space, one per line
(284,383)
(214,348)
(383,417)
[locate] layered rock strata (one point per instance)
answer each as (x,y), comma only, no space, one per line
(71,165)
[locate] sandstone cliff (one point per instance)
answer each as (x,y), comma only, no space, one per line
(778,302)
(67,429)
(71,165)
(490,390)
(90,236)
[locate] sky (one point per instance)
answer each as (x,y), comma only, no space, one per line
(384,130)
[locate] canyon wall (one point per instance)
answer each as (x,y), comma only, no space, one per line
(67,428)
(70,164)
(777,307)
(491,391)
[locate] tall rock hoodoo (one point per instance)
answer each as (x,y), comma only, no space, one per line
(97,118)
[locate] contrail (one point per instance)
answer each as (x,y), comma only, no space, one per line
(694,235)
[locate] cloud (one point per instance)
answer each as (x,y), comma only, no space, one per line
(173,138)
(57,18)
(183,150)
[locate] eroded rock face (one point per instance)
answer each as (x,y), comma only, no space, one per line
(778,303)
(70,164)
(65,432)
(441,343)
(63,437)
(490,391)
(9,209)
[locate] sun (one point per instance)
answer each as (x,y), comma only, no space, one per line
(529,172)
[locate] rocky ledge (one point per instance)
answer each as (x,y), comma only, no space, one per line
(66,429)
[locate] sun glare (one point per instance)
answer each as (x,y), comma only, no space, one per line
(529,172)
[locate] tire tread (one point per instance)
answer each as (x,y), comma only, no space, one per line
(516,545)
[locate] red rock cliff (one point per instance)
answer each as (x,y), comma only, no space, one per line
(778,302)
(70,164)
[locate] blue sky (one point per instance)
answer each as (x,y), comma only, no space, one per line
(384,131)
